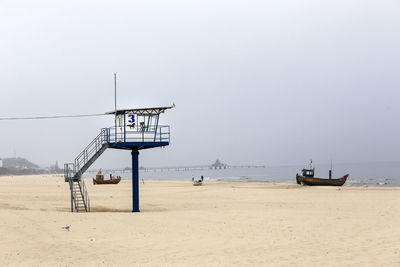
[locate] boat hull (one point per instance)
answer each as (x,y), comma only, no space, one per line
(321,181)
(101,181)
(197,183)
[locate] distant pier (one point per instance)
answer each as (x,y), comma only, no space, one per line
(182,168)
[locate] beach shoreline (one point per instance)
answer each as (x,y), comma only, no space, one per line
(221,223)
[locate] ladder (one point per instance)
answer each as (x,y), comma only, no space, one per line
(73,171)
(79,196)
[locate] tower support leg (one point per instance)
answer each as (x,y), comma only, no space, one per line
(135,180)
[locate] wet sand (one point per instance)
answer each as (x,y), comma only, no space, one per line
(217,224)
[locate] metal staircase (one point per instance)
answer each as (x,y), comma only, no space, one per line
(73,171)
(79,196)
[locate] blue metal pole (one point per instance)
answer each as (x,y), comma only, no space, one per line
(124,127)
(135,180)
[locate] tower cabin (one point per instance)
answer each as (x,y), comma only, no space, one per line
(134,130)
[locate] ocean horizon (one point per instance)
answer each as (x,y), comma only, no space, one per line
(361,174)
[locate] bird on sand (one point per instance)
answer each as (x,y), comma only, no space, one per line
(67,227)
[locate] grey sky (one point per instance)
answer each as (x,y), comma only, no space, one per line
(267,82)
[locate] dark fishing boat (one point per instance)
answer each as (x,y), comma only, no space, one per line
(309,179)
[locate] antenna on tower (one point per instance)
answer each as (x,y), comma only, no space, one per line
(115,98)
(115,91)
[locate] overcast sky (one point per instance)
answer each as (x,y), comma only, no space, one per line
(263,82)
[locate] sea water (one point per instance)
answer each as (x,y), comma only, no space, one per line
(361,174)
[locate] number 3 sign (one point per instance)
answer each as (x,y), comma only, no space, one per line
(131,118)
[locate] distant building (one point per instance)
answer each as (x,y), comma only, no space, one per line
(218,165)
(1,163)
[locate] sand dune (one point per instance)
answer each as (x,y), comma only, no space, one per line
(218,224)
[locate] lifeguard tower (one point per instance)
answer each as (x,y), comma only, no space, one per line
(134,129)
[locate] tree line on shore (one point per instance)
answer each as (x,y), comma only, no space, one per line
(22,166)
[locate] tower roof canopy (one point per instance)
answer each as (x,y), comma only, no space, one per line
(142,111)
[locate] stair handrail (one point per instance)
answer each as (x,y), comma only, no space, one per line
(85,195)
(74,198)
(72,194)
(75,201)
(69,171)
(91,149)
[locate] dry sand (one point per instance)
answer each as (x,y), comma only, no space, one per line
(218,224)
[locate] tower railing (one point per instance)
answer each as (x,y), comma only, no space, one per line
(140,134)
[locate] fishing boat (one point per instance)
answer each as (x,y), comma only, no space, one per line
(197,182)
(308,178)
(100,179)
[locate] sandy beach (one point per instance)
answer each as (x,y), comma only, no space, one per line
(218,224)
